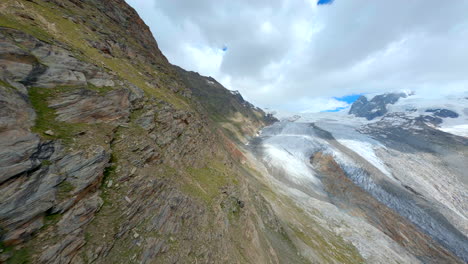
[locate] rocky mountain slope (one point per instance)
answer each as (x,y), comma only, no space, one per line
(107,157)
(110,154)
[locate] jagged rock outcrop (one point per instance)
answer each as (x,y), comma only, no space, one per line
(376,107)
(227,107)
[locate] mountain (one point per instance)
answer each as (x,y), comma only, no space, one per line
(226,107)
(110,154)
(376,107)
(404,161)
(449,114)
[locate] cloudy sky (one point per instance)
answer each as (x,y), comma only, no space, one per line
(301,55)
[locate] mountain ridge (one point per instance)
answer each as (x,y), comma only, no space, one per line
(91,110)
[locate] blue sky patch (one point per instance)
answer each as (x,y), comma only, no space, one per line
(336,109)
(325,2)
(348,98)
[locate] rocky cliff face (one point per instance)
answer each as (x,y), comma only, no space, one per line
(107,157)
(240,118)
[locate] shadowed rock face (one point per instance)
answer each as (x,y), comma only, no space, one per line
(222,103)
(376,107)
(443,113)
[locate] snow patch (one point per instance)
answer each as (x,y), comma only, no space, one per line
(459,130)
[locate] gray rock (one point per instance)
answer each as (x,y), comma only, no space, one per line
(15,63)
(17,144)
(376,107)
(24,199)
(146,121)
(101,82)
(24,231)
(16,149)
(81,214)
(65,250)
(444,113)
(83,170)
(36,63)
(85,106)
(53,77)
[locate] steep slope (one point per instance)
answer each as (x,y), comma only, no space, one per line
(228,108)
(105,155)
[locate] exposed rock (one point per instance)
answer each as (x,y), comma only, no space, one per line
(214,98)
(49,132)
(16,148)
(81,214)
(24,199)
(101,82)
(84,171)
(65,250)
(15,63)
(443,113)
(45,65)
(376,107)
(33,171)
(146,121)
(430,119)
(55,77)
(85,106)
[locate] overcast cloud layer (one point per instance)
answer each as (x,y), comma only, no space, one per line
(296,56)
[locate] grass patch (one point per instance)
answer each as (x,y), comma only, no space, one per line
(46,116)
(46,163)
(206,182)
(18,256)
(50,220)
(7,85)
(100,90)
(9,21)
(334,248)
(108,173)
(64,189)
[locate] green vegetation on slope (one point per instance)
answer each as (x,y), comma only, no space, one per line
(206,183)
(46,116)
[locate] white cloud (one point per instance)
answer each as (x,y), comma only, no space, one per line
(286,54)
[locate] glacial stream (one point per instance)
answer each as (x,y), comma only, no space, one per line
(286,148)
